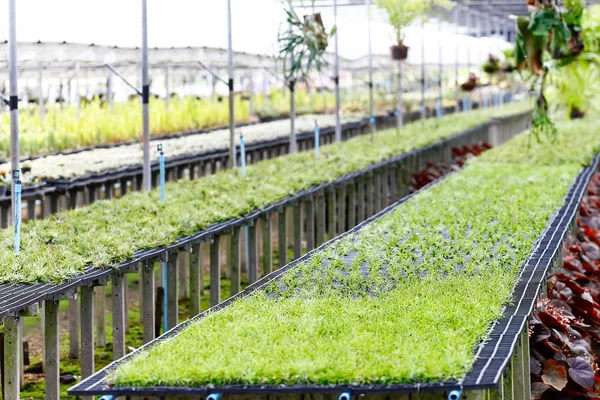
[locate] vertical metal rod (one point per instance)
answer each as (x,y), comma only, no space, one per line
(17,209)
(423,69)
(13,94)
(399,106)
(440,106)
(163,198)
(232,158)
(468,23)
(338,125)
(371,99)
(40,92)
(293,144)
(456,55)
(147,175)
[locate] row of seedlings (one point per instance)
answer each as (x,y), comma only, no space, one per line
(376,186)
(502,365)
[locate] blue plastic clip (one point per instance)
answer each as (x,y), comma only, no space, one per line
(17,181)
(214,396)
(345,396)
(161,163)
(243,154)
(107,397)
(317,139)
(455,395)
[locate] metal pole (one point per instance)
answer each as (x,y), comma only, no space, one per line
(163,199)
(371,100)
(168,90)
(423,69)
(16,175)
(13,95)
(400,106)
(77,98)
(293,145)
(232,158)
(292,86)
(338,126)
(40,93)
(441,68)
(469,65)
(109,94)
(456,55)
(147,184)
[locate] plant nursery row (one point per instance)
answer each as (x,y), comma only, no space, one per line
(60,129)
(406,298)
(111,231)
(65,166)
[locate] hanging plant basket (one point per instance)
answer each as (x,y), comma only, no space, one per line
(492,65)
(576,113)
(316,21)
(399,52)
(470,84)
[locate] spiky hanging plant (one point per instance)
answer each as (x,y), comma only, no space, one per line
(302,43)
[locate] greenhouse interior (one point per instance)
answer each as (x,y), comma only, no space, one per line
(300,199)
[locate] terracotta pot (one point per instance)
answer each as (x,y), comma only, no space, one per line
(399,52)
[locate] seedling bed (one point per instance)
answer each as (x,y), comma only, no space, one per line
(14,298)
(507,335)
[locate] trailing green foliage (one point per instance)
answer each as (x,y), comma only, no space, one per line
(576,144)
(108,232)
(405,299)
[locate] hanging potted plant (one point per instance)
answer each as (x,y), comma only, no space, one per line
(470,84)
(400,14)
(492,65)
(548,39)
(302,43)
